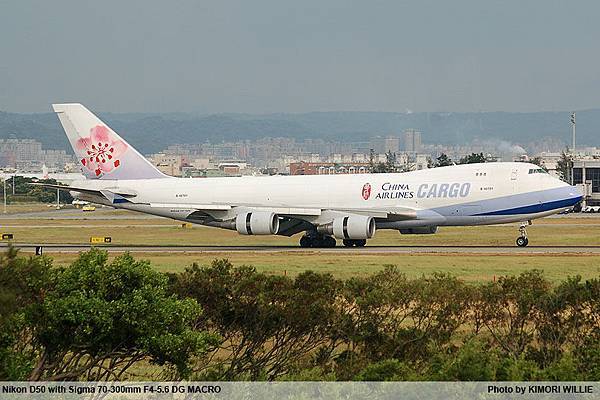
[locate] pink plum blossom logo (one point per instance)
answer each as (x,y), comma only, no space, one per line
(100,150)
(366,191)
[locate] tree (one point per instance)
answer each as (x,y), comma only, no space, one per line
(539,162)
(371,160)
(510,307)
(564,167)
(443,161)
(388,315)
(24,189)
(100,319)
(23,282)
(267,323)
(473,158)
(564,319)
(387,370)
(388,166)
(473,361)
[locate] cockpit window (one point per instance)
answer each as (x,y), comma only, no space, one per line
(537,171)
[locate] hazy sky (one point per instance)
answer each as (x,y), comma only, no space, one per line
(297,56)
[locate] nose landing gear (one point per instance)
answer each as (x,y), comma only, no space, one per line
(522,240)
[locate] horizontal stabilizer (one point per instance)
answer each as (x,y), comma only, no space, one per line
(115,195)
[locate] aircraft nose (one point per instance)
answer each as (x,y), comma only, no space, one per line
(574,194)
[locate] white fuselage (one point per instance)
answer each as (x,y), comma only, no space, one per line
(469,194)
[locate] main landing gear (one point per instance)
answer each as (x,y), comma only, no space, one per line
(355,242)
(325,241)
(522,240)
(317,241)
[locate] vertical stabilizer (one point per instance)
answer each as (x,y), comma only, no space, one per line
(101,153)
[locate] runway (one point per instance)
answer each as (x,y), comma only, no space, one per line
(484,250)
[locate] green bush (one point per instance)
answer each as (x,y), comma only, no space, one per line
(387,370)
(93,320)
(473,361)
(96,319)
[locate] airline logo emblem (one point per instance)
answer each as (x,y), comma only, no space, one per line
(366,191)
(101,152)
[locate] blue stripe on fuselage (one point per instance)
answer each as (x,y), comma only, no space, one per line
(522,203)
(536,208)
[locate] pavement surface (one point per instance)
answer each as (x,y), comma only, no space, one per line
(489,250)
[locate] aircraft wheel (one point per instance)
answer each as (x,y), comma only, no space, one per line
(522,241)
(305,242)
(355,242)
(329,241)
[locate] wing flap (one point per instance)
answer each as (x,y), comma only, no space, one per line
(224,207)
(201,207)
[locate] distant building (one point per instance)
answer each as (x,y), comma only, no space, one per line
(412,140)
(200,163)
(13,151)
(586,175)
(377,144)
(169,164)
(421,161)
(57,159)
(391,144)
(28,155)
(191,172)
(550,161)
(327,168)
(233,167)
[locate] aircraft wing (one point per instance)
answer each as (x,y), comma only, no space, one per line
(391,213)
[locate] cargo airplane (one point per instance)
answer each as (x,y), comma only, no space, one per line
(325,207)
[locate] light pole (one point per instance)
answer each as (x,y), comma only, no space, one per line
(573,127)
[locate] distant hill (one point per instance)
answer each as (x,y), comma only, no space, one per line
(153,132)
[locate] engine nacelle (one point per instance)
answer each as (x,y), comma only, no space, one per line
(257,223)
(353,227)
(419,230)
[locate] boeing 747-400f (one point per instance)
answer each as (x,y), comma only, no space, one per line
(326,207)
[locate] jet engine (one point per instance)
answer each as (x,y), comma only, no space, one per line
(419,230)
(257,223)
(350,227)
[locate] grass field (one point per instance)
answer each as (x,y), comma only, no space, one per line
(167,232)
(126,228)
(469,267)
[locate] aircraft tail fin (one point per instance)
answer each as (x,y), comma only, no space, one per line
(101,153)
